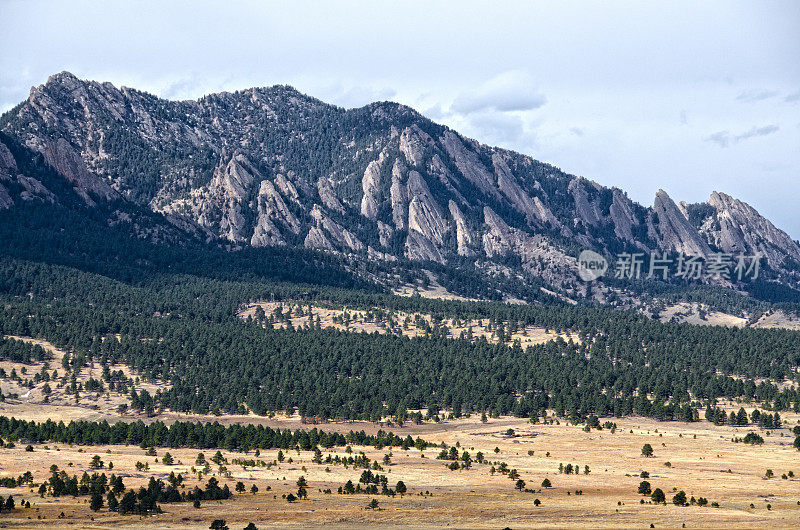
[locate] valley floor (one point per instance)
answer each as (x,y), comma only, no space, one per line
(704,462)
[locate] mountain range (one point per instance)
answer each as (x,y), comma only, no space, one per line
(379,185)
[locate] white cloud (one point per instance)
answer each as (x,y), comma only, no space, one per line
(496,127)
(191,86)
(355,95)
(507,92)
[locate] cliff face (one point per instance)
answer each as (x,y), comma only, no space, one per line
(271,166)
(674,230)
(16,186)
(8,175)
(736,227)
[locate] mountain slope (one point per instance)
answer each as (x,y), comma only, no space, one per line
(273,167)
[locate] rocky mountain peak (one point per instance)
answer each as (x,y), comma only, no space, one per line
(674,230)
(59,81)
(739,229)
(273,166)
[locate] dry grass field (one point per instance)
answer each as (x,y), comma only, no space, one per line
(408,324)
(96,406)
(701,315)
(704,462)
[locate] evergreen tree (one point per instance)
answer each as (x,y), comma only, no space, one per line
(658,496)
(96,501)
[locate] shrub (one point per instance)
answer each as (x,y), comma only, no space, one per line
(644,488)
(658,496)
(753,439)
(679,499)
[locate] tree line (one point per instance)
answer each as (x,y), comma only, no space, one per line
(202,435)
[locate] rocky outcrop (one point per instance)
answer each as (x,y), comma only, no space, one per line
(465,239)
(63,158)
(8,170)
(413,142)
(385,234)
(6,201)
(226,205)
(539,257)
(424,215)
(469,165)
(623,216)
(420,248)
(371,186)
(598,206)
(328,196)
(220,205)
(426,223)
(8,166)
(399,196)
(272,211)
(546,217)
(588,210)
(304,187)
(740,229)
(287,188)
(14,184)
(33,189)
(436,168)
(674,230)
(235,178)
(330,235)
(521,201)
(499,238)
(266,233)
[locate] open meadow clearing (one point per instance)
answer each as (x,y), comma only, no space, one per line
(698,458)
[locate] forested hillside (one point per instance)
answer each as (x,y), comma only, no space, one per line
(183,328)
(94,262)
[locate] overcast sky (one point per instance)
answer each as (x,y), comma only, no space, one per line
(686,96)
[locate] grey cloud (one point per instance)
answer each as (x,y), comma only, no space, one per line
(725,138)
(793,97)
(721,138)
(507,92)
(757,131)
(577,131)
(751,96)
